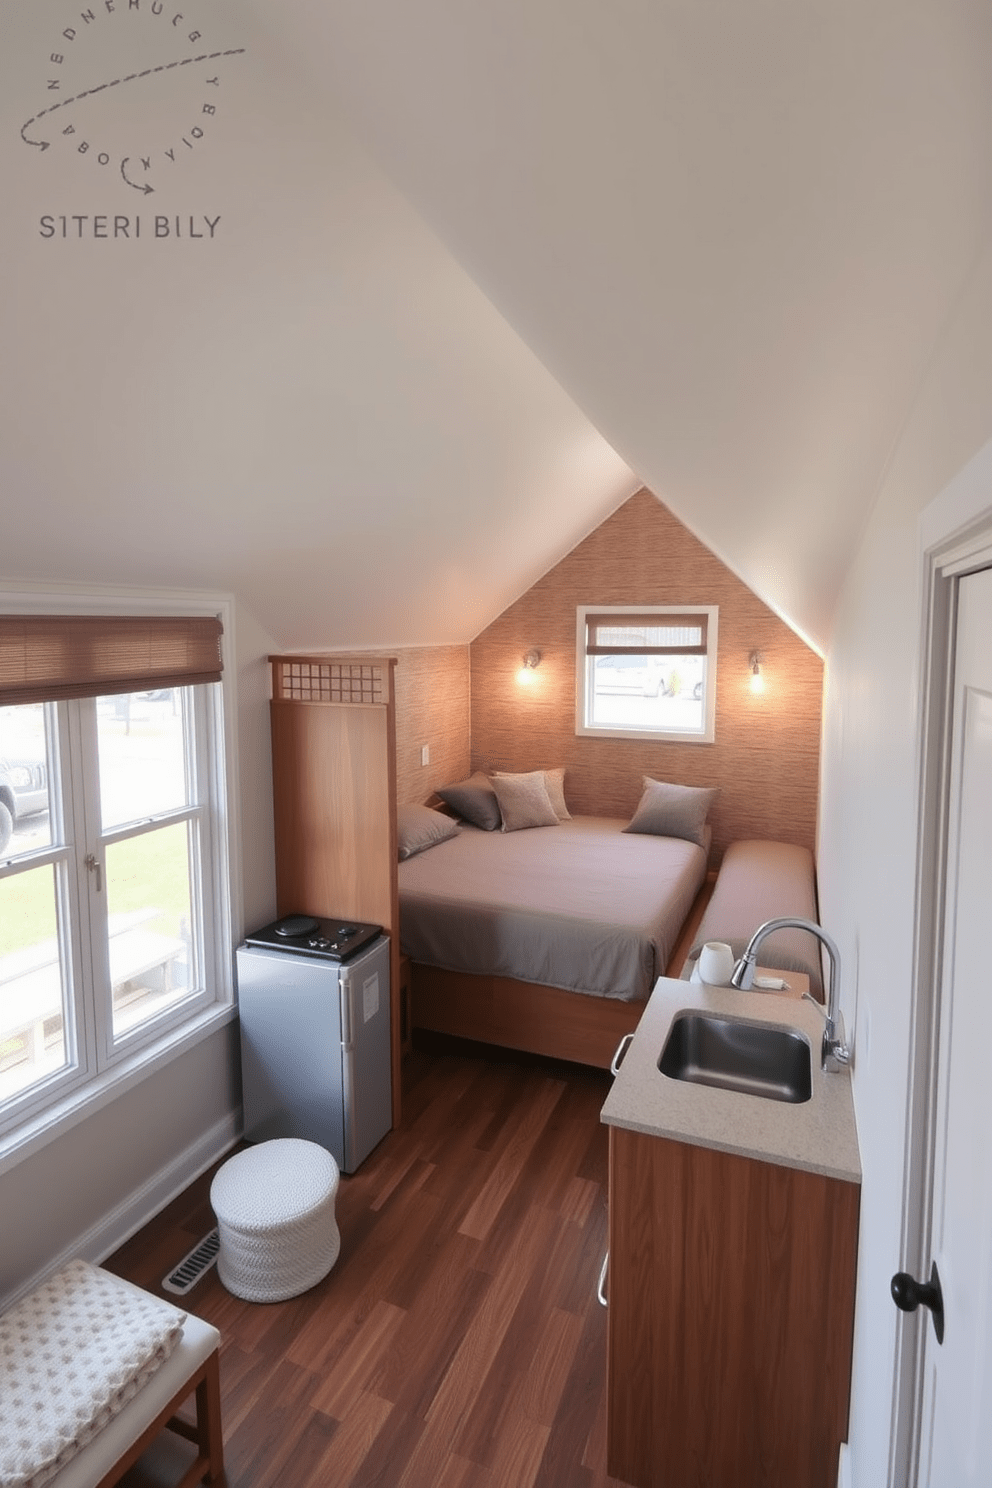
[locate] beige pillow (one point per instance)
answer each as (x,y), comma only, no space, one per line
(554,784)
(667,810)
(524,801)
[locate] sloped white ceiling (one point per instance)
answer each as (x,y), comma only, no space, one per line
(479,271)
(733,232)
(315,407)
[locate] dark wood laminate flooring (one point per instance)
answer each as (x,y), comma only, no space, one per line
(458,1342)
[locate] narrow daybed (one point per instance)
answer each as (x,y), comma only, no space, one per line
(547,935)
(760,881)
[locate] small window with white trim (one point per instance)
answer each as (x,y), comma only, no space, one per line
(649,672)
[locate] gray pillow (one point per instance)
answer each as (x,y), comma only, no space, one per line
(418,828)
(554,784)
(524,801)
(475,800)
(667,810)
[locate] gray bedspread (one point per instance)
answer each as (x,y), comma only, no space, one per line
(582,905)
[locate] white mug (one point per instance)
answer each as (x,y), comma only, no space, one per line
(716,963)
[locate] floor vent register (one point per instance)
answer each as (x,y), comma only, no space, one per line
(184,1278)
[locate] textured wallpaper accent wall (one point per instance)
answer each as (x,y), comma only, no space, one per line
(765,757)
(432,708)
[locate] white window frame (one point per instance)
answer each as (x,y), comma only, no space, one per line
(583,661)
(101,1067)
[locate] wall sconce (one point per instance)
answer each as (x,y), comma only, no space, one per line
(532,660)
(757,680)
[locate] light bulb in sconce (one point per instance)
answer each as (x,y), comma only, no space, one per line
(757,680)
(532,660)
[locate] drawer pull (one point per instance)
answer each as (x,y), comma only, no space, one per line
(601,1287)
(621,1050)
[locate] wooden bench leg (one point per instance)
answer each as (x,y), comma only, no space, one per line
(206,1432)
(208,1418)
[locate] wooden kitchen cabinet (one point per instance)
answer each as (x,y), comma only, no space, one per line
(731,1316)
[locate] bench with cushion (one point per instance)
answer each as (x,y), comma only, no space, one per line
(91,1370)
(761,881)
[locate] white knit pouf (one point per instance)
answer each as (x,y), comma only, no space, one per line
(275,1218)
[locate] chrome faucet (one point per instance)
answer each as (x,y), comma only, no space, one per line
(834,1053)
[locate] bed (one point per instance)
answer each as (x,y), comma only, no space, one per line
(548,939)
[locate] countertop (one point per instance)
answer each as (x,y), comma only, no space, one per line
(818,1135)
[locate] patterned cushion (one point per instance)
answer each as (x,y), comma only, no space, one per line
(554,784)
(524,801)
(72,1354)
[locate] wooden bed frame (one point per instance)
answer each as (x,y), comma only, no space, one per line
(521,1015)
(533,1018)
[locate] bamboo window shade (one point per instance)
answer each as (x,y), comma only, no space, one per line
(47,657)
(649,634)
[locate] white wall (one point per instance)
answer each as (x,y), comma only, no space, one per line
(256,848)
(869,820)
(84,1192)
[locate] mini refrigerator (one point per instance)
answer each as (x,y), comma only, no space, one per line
(315,1035)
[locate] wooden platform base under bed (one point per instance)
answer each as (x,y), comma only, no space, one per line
(522,1015)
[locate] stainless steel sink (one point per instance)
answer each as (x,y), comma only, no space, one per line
(736,1054)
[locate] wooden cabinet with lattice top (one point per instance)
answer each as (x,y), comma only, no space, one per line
(334,794)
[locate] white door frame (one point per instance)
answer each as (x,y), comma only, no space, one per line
(956,539)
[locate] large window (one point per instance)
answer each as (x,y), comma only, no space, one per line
(649,672)
(113,885)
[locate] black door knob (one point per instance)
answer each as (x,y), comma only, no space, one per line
(908,1294)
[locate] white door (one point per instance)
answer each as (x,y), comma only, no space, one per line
(955,1448)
